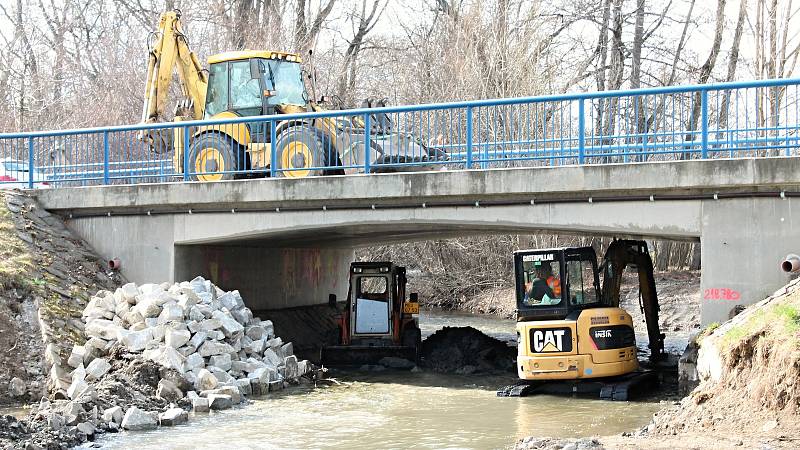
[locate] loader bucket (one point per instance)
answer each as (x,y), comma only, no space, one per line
(358,355)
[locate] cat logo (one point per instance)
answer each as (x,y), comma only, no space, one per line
(551,340)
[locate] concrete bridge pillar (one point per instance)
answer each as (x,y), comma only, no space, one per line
(743,243)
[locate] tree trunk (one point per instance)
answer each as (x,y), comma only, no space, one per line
(705,74)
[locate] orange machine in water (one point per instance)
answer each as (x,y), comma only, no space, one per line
(377,321)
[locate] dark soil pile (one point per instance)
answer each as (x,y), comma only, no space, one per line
(132,381)
(465,350)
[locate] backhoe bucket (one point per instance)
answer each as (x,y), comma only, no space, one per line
(358,355)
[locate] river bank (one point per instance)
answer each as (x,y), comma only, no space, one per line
(749,390)
(46,274)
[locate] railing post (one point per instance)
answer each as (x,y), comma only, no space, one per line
(273,151)
(704,124)
(367,153)
(185,153)
(469,137)
(105,157)
(30,163)
(581,131)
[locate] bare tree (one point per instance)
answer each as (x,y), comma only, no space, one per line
(364,21)
(705,73)
(306,29)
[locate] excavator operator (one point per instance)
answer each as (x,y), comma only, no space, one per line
(545,288)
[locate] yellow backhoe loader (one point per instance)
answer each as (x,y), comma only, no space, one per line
(572,335)
(253,83)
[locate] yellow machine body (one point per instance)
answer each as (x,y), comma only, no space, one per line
(600,343)
(169,53)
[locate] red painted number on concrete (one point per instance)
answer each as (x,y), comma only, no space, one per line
(721,294)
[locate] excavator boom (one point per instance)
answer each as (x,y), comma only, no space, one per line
(620,254)
(169,52)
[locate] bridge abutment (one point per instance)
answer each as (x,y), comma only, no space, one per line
(269,277)
(742,245)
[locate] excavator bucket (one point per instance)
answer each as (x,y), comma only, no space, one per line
(358,355)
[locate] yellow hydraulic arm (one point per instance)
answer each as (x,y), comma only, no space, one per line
(169,49)
(619,255)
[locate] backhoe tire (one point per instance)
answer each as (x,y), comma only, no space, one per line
(212,158)
(299,149)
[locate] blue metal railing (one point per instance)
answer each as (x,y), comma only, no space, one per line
(725,120)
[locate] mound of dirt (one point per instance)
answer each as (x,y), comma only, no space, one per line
(749,369)
(46,274)
(465,350)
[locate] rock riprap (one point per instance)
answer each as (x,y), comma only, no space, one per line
(204,333)
(152,353)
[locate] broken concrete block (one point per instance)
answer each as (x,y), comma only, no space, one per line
(136,419)
(76,356)
(200,404)
(205,380)
(172,417)
(177,338)
(97,368)
(219,401)
(228,324)
(223,361)
(194,361)
(113,414)
(136,341)
(210,348)
(170,313)
(167,357)
(168,391)
(231,300)
(129,292)
(258,346)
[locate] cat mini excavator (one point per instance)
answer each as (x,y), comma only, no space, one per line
(254,83)
(572,335)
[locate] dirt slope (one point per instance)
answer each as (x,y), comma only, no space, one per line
(45,275)
(749,394)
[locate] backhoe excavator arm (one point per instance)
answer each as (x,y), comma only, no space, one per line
(169,51)
(619,255)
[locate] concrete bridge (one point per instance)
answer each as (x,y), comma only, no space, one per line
(286,242)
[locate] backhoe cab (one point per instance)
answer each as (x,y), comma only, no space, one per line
(378,320)
(570,327)
(254,83)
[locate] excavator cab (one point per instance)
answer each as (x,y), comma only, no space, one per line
(553,283)
(254,83)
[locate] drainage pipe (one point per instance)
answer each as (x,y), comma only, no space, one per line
(791,263)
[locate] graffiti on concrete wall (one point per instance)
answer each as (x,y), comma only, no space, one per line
(305,269)
(721,294)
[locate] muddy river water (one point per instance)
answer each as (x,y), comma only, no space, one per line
(398,410)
